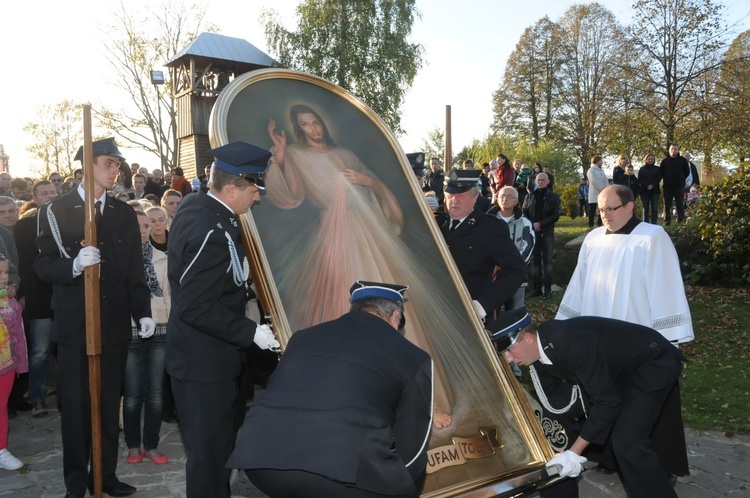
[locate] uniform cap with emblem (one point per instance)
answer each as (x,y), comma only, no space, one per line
(364,290)
(461,180)
(242,159)
(507,328)
(103,147)
(416,159)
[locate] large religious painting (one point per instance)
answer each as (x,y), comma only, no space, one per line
(342,204)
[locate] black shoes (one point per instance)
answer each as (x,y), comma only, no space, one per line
(119,488)
(604,470)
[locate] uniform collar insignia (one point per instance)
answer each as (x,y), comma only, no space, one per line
(233,221)
(218,225)
(471,221)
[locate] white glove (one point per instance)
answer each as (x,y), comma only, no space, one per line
(571,463)
(480,309)
(87,256)
(148,326)
(265,339)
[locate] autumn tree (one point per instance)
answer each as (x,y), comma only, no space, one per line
(434,145)
(525,101)
(138,45)
(360,45)
(734,90)
(676,42)
(590,38)
(56,136)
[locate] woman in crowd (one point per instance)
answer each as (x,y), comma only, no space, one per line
(622,162)
(503,176)
(144,371)
(170,201)
(649,177)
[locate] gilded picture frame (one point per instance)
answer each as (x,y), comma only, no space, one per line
(357,212)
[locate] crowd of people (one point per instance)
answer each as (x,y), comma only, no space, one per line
(174,289)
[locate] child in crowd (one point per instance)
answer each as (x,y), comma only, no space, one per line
(13,360)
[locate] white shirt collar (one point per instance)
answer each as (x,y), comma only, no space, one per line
(82,193)
(543,358)
(210,194)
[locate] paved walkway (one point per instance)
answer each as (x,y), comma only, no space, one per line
(719,466)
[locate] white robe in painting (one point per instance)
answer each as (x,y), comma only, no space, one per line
(634,277)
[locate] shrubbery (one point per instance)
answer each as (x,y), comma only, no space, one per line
(714,243)
(569,201)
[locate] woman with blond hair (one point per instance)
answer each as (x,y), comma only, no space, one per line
(622,162)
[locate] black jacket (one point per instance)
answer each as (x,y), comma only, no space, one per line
(434,182)
(36,292)
(674,171)
(630,181)
(604,357)
(479,244)
(329,409)
(649,174)
(550,211)
(123,290)
(207,324)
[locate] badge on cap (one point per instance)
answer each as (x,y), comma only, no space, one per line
(103,147)
(416,159)
(363,290)
(507,328)
(461,180)
(242,159)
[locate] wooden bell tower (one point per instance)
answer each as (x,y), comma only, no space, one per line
(199,72)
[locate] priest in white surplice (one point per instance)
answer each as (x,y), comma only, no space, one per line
(629,270)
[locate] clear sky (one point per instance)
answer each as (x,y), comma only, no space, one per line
(53,50)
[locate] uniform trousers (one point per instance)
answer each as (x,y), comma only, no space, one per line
(300,484)
(75,409)
(207,418)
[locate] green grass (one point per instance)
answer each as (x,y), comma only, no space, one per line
(715,387)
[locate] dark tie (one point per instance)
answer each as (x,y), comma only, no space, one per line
(98,212)
(454,224)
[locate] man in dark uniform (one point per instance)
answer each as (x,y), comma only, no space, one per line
(347,411)
(416,160)
(479,243)
(123,295)
(207,326)
(622,372)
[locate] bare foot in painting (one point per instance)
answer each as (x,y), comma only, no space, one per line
(440,419)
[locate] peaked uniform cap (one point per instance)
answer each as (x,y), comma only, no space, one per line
(103,147)
(461,180)
(416,159)
(506,329)
(242,159)
(363,290)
